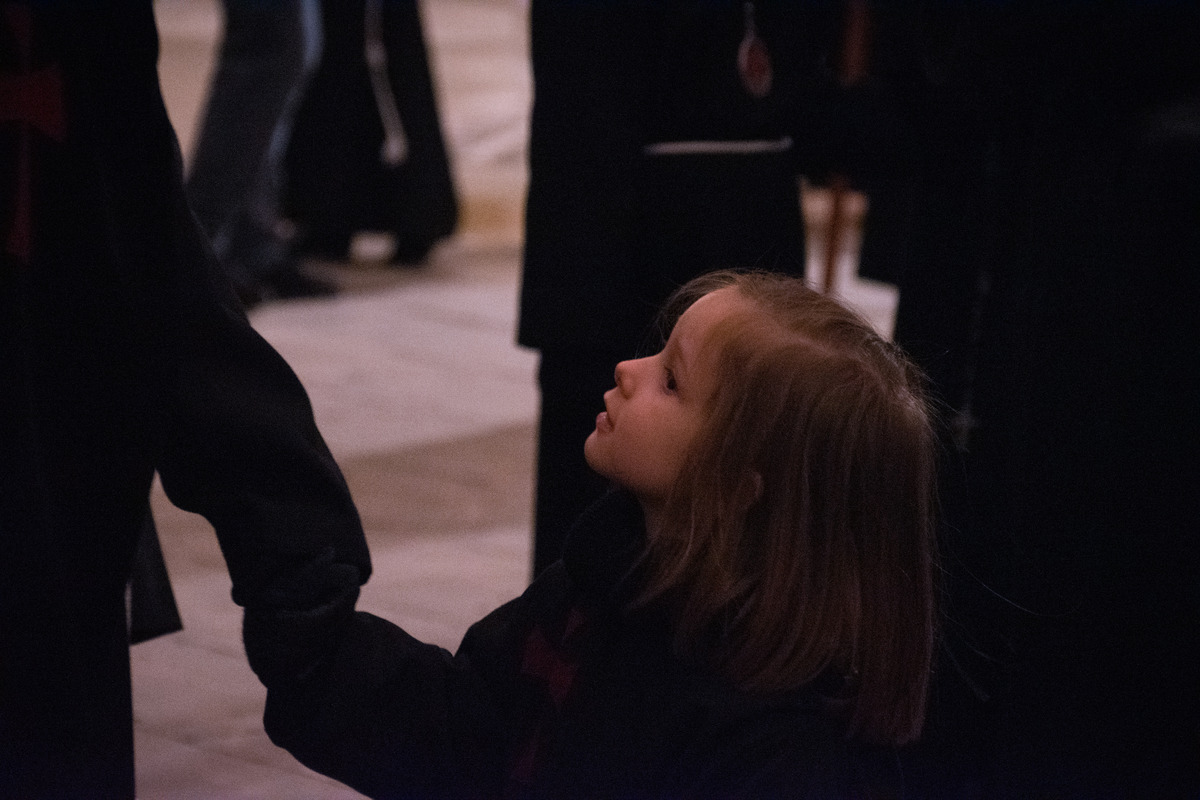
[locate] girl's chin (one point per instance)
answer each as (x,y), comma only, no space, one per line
(592,456)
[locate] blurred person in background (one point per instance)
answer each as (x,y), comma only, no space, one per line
(367,152)
(267,53)
(663,144)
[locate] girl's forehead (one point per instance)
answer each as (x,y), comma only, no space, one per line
(710,309)
(693,330)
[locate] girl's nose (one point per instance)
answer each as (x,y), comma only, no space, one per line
(628,373)
(623,375)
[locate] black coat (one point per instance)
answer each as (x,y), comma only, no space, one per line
(122,352)
(337,182)
(611,229)
(1047,249)
(557,694)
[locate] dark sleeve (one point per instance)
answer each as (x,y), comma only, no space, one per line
(239,445)
(386,714)
(395,717)
(349,694)
(242,449)
(231,430)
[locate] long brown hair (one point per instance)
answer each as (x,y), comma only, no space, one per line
(798,540)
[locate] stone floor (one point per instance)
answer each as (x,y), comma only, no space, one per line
(425,400)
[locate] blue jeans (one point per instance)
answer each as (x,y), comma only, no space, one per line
(269,49)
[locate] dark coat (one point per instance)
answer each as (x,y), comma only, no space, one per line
(611,229)
(122,352)
(337,181)
(1047,250)
(651,161)
(557,694)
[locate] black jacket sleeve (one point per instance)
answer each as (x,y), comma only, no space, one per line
(391,716)
(394,717)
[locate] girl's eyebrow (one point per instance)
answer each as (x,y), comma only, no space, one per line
(671,360)
(679,360)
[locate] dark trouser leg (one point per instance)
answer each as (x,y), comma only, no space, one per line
(267,51)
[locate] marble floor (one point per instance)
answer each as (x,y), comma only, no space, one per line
(419,389)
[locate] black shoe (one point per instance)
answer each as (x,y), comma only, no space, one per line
(325,244)
(291,283)
(412,252)
(250,295)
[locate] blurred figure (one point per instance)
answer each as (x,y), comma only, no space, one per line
(367,152)
(1044,229)
(266,56)
(123,351)
(662,145)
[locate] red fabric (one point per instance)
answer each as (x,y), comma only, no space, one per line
(558,668)
(32,98)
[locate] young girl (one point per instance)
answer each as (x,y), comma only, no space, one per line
(750,608)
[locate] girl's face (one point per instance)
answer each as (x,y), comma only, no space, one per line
(659,404)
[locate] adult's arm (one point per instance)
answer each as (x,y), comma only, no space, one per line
(239,445)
